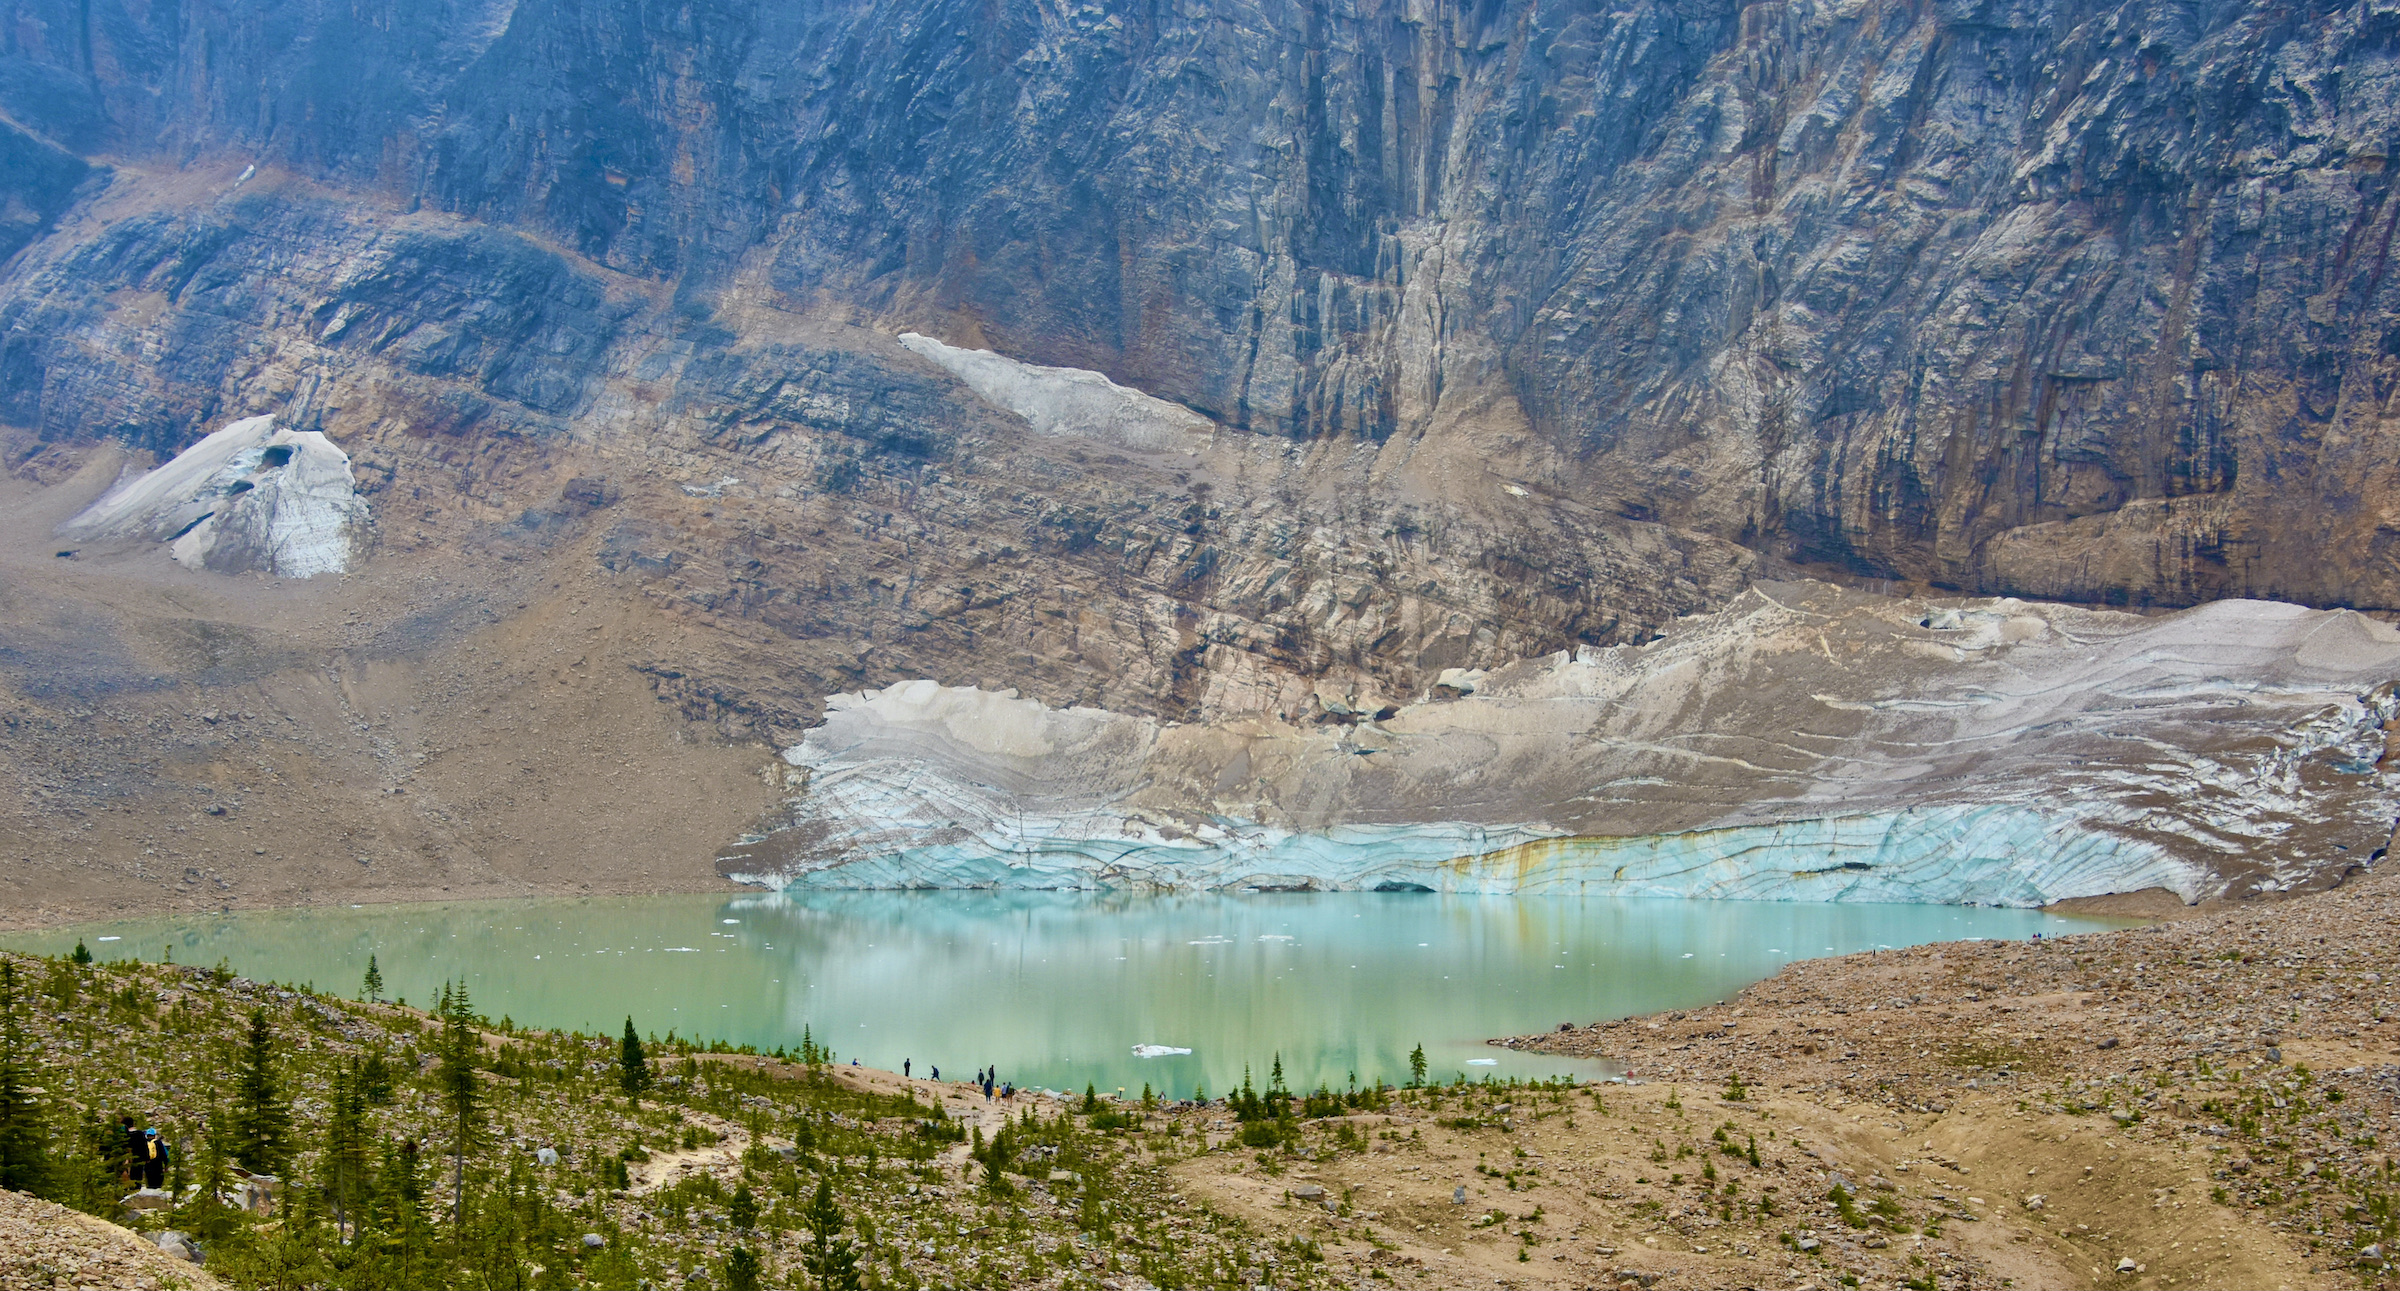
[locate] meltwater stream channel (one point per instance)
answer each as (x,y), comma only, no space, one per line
(1057,989)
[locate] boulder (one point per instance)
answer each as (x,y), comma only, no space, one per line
(178,1244)
(255,1193)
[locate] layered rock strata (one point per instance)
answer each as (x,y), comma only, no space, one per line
(2047,299)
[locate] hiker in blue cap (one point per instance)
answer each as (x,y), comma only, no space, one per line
(154,1159)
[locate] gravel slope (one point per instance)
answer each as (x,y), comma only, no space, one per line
(43,1244)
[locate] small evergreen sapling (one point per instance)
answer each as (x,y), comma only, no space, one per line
(830,1259)
(742,1270)
(633,1065)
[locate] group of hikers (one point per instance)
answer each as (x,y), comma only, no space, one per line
(986,1078)
(146,1155)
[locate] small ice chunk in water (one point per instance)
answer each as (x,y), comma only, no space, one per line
(1483,1062)
(112,939)
(1156,1050)
(729,921)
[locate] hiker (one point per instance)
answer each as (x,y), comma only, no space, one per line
(154,1159)
(937,1075)
(987,1086)
(904,1068)
(1008,1091)
(129,1157)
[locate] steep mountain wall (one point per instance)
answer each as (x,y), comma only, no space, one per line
(2052,298)
(1206,364)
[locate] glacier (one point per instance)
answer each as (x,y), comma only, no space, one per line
(251,496)
(1806,743)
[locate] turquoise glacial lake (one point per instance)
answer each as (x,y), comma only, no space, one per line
(1057,989)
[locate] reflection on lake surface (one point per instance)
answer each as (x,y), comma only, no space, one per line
(1056,989)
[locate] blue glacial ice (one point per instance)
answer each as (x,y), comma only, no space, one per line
(1805,744)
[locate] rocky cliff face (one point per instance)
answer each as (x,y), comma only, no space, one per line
(2068,300)
(1509,327)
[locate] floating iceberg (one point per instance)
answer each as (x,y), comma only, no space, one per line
(1157,1051)
(248,497)
(1807,743)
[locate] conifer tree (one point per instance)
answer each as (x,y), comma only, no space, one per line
(262,1120)
(371,989)
(83,953)
(742,1270)
(24,1146)
(375,1079)
(830,1259)
(396,1212)
(633,1065)
(215,1146)
(344,1166)
(1416,1066)
(462,1097)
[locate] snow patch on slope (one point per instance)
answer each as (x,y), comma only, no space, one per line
(1067,401)
(248,497)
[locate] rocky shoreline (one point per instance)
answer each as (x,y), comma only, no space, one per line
(2256,1045)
